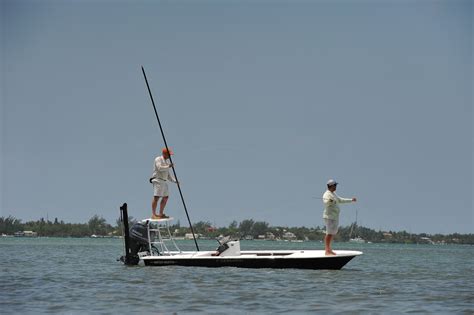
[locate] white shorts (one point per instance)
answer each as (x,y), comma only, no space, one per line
(332,226)
(160,188)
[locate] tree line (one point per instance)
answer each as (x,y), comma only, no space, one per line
(254,229)
(95,226)
(246,229)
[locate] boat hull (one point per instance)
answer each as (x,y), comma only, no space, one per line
(269,261)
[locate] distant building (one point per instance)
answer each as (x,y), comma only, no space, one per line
(189,236)
(270,236)
(289,236)
(26,234)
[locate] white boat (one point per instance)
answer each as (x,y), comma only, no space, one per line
(357,239)
(145,243)
(150,243)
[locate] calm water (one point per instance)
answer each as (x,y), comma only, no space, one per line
(54,275)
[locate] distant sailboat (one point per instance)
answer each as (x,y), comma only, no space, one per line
(356,239)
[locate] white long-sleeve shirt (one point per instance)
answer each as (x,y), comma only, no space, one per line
(161,169)
(331,205)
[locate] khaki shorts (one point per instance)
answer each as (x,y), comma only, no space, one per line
(332,226)
(160,188)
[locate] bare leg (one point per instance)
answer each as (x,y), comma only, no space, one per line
(163,204)
(154,203)
(327,243)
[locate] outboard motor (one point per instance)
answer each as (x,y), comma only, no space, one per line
(136,239)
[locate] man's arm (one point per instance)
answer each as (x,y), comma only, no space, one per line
(161,165)
(346,200)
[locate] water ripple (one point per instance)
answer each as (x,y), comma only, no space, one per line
(82,275)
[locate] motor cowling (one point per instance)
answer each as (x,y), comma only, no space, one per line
(138,238)
(139,233)
(137,242)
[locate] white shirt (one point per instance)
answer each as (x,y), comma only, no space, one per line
(161,170)
(331,205)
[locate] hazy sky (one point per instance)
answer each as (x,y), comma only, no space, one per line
(262,102)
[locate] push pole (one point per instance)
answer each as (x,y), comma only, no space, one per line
(172,165)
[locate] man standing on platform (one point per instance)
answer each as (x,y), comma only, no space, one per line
(331,213)
(161,175)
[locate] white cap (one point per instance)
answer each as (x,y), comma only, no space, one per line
(331,182)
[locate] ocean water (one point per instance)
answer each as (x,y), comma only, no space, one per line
(76,276)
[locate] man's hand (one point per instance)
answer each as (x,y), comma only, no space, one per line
(354,199)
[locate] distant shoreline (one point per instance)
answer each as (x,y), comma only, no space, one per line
(9,236)
(248,229)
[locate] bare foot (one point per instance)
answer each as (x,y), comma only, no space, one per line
(331,253)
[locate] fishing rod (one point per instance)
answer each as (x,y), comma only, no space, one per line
(171,161)
(320,198)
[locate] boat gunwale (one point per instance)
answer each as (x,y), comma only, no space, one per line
(264,254)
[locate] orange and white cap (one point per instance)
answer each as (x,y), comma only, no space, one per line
(167,151)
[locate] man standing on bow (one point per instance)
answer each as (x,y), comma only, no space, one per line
(331,213)
(161,175)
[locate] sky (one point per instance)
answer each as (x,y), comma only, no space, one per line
(261,101)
